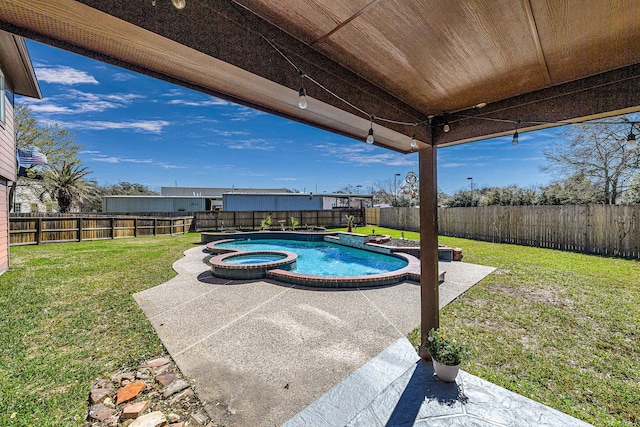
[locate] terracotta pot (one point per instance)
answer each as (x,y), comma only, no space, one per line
(446,373)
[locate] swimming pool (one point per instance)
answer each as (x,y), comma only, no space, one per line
(321,258)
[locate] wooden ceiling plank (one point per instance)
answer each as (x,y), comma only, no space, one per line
(585,37)
(604,95)
(533,28)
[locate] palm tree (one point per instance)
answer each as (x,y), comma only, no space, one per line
(66,183)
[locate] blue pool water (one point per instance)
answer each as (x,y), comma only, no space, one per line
(323,258)
(253,259)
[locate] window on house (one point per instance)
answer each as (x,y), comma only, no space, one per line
(17,207)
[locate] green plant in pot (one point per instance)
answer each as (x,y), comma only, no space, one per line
(266,223)
(446,353)
(350,219)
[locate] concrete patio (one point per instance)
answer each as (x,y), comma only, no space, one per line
(263,353)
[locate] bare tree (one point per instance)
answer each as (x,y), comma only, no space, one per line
(600,153)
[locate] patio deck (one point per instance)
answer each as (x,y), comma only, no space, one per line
(263,353)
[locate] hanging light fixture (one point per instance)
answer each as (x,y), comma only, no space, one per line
(632,136)
(370,139)
(302,93)
(514,141)
(414,142)
(446,126)
(179,4)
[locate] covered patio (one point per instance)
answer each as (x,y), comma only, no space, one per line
(416,75)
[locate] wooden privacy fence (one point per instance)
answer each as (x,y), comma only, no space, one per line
(597,229)
(30,230)
(251,220)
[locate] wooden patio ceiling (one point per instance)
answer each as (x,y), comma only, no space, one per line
(528,60)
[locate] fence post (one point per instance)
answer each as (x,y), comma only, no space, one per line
(135,227)
(80,229)
(155,226)
(38,230)
(113,228)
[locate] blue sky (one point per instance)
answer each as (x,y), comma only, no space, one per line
(137,129)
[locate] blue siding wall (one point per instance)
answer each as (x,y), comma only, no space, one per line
(270,202)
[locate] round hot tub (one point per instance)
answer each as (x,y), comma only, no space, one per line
(251,264)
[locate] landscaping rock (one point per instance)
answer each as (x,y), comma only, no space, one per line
(120,378)
(97,395)
(143,390)
(152,419)
(181,396)
(130,392)
(100,412)
(166,378)
(158,362)
(175,387)
(134,410)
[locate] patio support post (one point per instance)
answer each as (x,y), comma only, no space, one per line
(430,300)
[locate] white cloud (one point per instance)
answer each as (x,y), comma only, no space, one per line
(362,155)
(64,75)
(123,77)
(243,114)
(258,144)
(287,179)
(152,126)
(98,157)
(203,103)
(78,102)
(228,133)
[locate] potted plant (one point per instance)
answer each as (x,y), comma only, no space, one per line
(446,354)
(350,219)
(266,223)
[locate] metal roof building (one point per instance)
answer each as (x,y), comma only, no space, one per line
(293,201)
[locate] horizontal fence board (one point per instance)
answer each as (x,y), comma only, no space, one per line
(31,230)
(596,229)
(252,220)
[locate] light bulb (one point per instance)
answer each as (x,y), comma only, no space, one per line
(369,139)
(514,141)
(414,143)
(302,99)
(179,4)
(446,127)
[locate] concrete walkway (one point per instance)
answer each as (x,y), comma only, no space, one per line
(260,352)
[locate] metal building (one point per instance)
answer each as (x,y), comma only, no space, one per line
(293,201)
(125,204)
(214,194)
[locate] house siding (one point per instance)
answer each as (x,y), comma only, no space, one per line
(7,143)
(4,226)
(7,173)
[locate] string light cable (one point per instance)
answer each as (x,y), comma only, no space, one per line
(446,124)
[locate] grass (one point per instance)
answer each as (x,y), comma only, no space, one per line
(558,327)
(67,318)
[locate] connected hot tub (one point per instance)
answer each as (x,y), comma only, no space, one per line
(252,264)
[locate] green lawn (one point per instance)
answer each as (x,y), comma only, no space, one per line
(558,327)
(67,318)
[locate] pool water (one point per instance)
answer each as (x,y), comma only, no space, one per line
(324,258)
(250,259)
